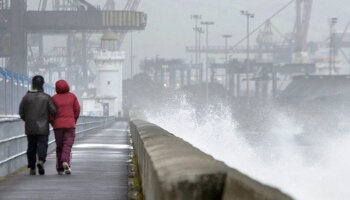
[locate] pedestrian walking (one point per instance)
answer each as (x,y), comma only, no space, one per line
(35,109)
(68,110)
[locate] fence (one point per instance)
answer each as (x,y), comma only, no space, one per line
(13,142)
(12,88)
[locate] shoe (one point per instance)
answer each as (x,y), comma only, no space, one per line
(66,168)
(32,172)
(59,172)
(40,166)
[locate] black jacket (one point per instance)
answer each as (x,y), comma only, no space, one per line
(35,110)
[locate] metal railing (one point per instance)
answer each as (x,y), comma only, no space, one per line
(13,142)
(12,88)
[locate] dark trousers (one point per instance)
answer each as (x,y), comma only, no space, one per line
(37,145)
(64,141)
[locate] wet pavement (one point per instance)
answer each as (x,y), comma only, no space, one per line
(99,171)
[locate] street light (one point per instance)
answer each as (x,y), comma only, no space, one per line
(200,32)
(131,55)
(332,21)
(207,24)
(226,37)
(248,15)
(196,17)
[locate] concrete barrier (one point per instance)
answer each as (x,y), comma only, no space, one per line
(13,142)
(172,169)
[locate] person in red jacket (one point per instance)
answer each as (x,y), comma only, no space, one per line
(68,110)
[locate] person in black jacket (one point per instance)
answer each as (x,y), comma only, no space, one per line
(35,110)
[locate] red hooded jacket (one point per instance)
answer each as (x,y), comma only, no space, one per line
(67,105)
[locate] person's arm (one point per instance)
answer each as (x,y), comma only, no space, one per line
(76,107)
(21,111)
(52,108)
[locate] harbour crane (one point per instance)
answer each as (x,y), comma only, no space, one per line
(302,22)
(131,5)
(297,42)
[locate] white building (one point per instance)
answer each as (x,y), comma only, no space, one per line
(109,75)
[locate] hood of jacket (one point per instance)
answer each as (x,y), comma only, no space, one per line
(62,87)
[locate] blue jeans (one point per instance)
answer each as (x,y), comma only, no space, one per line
(37,145)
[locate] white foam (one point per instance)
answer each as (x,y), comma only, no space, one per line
(316,170)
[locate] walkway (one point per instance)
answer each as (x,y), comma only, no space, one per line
(99,171)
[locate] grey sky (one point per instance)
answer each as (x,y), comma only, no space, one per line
(169,28)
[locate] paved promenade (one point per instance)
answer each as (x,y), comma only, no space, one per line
(99,171)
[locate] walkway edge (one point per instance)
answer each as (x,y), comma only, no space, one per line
(171,168)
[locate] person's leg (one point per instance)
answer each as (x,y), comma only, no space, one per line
(69,137)
(31,153)
(59,133)
(42,145)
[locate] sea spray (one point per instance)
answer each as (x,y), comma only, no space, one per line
(279,157)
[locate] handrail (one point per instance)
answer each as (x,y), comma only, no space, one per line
(13,87)
(12,157)
(22,136)
(85,125)
(12,138)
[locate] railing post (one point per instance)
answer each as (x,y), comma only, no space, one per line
(17,96)
(12,83)
(5,94)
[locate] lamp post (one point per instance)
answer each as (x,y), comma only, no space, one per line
(196,17)
(332,21)
(131,55)
(207,24)
(248,15)
(200,32)
(226,37)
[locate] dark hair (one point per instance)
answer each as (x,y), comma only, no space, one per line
(38,82)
